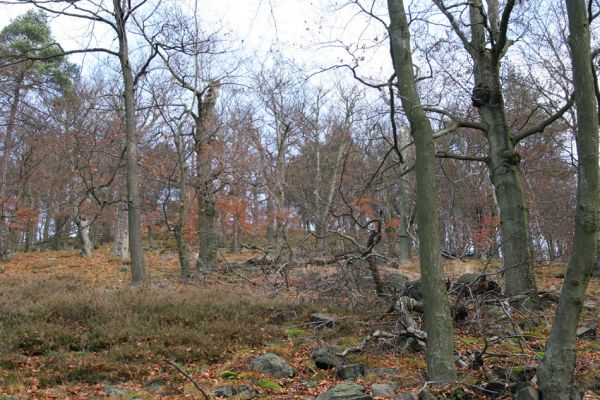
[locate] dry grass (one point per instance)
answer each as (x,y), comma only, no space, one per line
(80,333)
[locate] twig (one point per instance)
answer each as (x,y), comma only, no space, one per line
(189,378)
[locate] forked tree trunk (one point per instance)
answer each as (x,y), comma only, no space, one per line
(503,160)
(438,322)
(556,371)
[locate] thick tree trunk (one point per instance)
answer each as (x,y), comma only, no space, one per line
(555,372)
(438,322)
(503,161)
(205,126)
(138,269)
(83,230)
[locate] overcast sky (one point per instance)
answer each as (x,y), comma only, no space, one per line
(307,31)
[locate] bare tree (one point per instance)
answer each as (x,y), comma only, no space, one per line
(440,358)
(555,372)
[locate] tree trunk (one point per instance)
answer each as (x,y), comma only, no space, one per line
(438,322)
(555,372)
(5,245)
(83,230)
(138,269)
(503,161)
(207,241)
(121,239)
(270,219)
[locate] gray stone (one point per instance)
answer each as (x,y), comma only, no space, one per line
(590,305)
(272,365)
(397,281)
(414,289)
(409,343)
(406,396)
(325,357)
(345,391)
(241,392)
(155,386)
(350,371)
(322,320)
(426,395)
(528,393)
(389,372)
(112,391)
(586,332)
(383,389)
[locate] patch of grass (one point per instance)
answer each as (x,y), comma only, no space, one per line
(91,334)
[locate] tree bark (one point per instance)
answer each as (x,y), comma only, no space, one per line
(440,358)
(555,372)
(138,269)
(5,245)
(83,230)
(204,136)
(503,161)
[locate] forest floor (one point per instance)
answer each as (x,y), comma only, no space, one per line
(74,328)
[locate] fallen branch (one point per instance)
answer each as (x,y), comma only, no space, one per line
(189,378)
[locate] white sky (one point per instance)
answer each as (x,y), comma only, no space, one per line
(297,27)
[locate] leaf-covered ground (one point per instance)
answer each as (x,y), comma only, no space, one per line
(74,328)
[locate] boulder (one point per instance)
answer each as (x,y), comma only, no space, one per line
(409,343)
(590,305)
(272,365)
(241,392)
(345,391)
(322,320)
(406,396)
(350,371)
(112,391)
(586,332)
(389,372)
(383,389)
(528,393)
(414,289)
(326,358)
(397,282)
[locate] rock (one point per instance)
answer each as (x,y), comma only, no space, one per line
(473,284)
(345,391)
(350,371)
(383,389)
(397,281)
(325,357)
(496,387)
(406,396)
(155,386)
(514,388)
(284,316)
(590,305)
(272,365)
(426,395)
(528,393)
(414,289)
(409,343)
(586,332)
(389,372)
(112,391)
(241,392)
(322,320)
